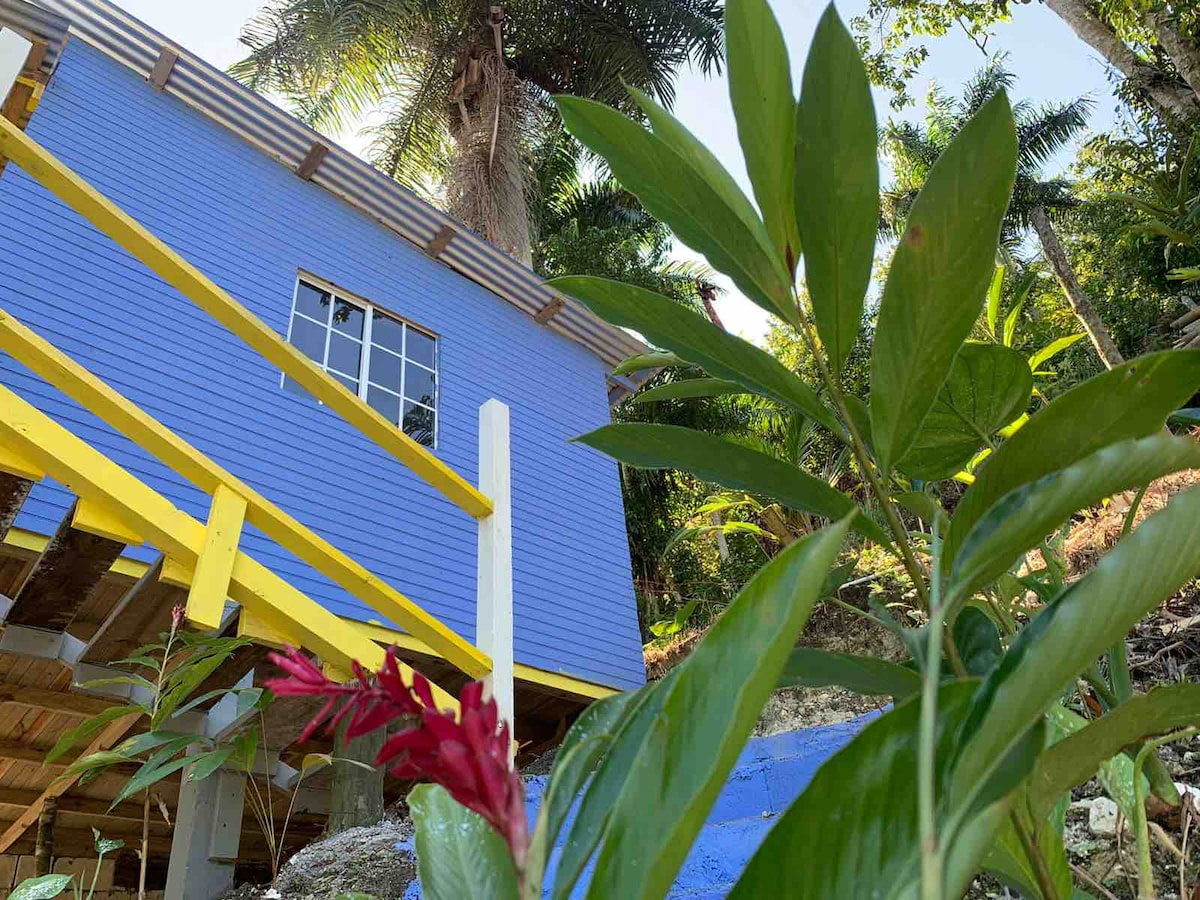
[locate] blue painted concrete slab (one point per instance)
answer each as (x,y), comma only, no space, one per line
(769,775)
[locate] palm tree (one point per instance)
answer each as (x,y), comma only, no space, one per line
(462,87)
(1041,132)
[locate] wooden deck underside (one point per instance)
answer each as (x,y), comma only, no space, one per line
(70,586)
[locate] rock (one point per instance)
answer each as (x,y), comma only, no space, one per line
(363,859)
(1102,817)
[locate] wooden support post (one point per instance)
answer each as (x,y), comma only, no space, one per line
(43,852)
(440,241)
(494,603)
(204,844)
(357,793)
(312,160)
(210,583)
(163,66)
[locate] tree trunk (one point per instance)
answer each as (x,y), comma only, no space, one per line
(487,189)
(1171,99)
(1184,53)
(43,849)
(357,794)
(1064,274)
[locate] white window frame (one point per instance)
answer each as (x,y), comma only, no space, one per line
(367,347)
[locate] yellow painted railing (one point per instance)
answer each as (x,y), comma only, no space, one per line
(173,451)
(116,501)
(40,445)
(197,287)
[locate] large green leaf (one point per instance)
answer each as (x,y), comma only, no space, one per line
(1008,861)
(600,795)
(837,184)
(42,888)
(1054,348)
(679,183)
(939,275)
(668,324)
(459,855)
(86,730)
(760,87)
(987,388)
(1133,400)
(730,465)
(995,292)
(1076,758)
(1144,568)
(689,389)
(149,774)
(581,752)
(639,362)
(807,667)
(977,640)
(1022,518)
(706,717)
(854,832)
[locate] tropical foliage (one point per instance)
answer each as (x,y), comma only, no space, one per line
(459,90)
(1002,706)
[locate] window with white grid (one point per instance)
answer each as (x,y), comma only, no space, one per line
(389,363)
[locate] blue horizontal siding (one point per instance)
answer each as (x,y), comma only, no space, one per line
(250,225)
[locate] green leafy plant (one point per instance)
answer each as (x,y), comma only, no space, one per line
(164,680)
(46,886)
(970,769)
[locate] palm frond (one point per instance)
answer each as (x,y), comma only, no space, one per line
(984,85)
(1045,131)
(413,144)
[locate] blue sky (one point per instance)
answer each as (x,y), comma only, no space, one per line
(1050,62)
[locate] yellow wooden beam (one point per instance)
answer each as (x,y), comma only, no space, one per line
(197,287)
(95,519)
(15,463)
(567,683)
(92,476)
(93,394)
(210,584)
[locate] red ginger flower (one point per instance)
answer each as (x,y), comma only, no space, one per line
(469,756)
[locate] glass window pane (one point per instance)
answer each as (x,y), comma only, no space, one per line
(347,318)
(419,384)
(421,348)
(344,354)
(309,338)
(312,302)
(387,405)
(351,383)
(385,369)
(387,332)
(419,423)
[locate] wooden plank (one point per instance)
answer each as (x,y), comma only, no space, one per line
(143,613)
(312,160)
(13,491)
(77,193)
(210,583)
(53,701)
(441,241)
(163,66)
(15,751)
(82,806)
(549,311)
(108,737)
(65,576)
(97,520)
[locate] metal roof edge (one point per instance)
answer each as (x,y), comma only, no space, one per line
(285,139)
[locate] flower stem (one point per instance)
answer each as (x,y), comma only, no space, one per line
(931,857)
(865,463)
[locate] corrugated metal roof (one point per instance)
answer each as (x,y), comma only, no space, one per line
(279,135)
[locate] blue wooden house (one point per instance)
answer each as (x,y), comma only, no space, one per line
(236,357)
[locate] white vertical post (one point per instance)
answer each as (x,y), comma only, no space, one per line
(494,604)
(14,51)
